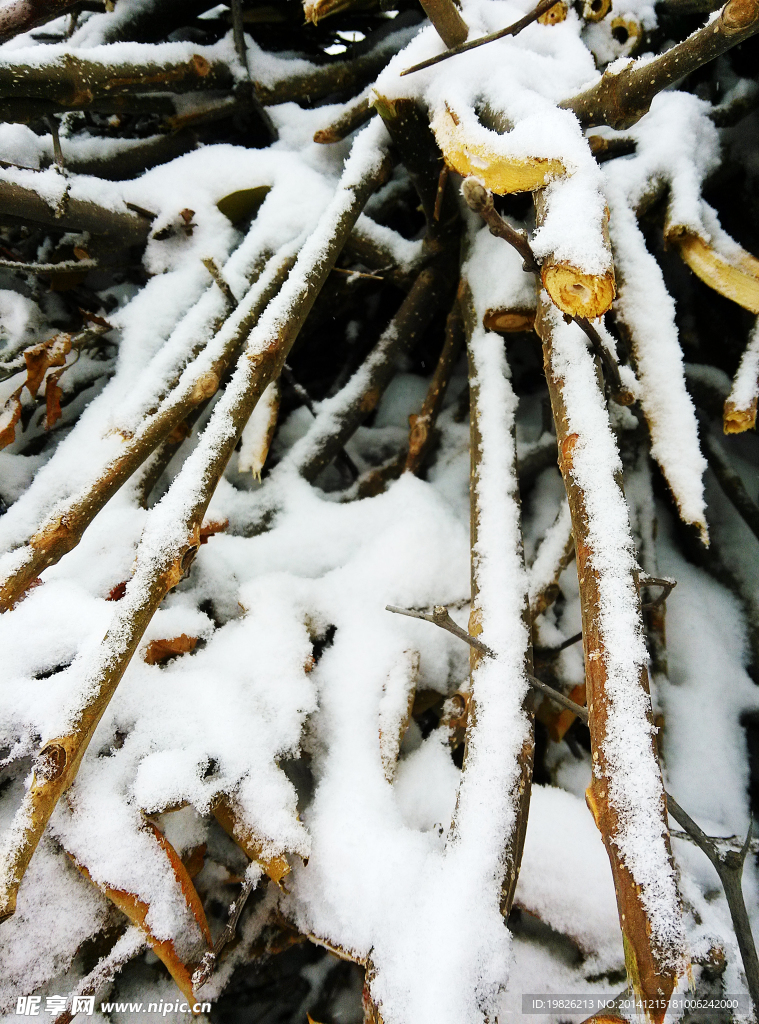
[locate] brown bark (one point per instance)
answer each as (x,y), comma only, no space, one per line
(648,971)
(26,204)
(445,16)
(621,98)
(348,122)
(161,570)
(18,16)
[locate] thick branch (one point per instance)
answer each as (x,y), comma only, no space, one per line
(621,98)
(26,204)
(445,16)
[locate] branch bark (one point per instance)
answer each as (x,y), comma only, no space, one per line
(623,96)
(170,543)
(654,958)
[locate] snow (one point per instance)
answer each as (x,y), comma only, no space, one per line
(746,381)
(396,854)
(632,772)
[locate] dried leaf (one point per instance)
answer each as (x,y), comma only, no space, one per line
(118,591)
(9,417)
(53,394)
(41,357)
(160,651)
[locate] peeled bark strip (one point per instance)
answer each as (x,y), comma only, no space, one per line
(63,529)
(172,533)
(472,149)
(740,407)
(499,696)
(623,96)
(736,278)
(574,291)
(626,795)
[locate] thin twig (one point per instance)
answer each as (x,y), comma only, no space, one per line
(441,182)
(729,480)
(550,651)
(210,264)
(480,200)
(511,30)
(729,866)
(440,617)
(208,963)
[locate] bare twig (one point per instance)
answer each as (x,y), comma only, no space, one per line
(208,963)
(210,264)
(440,617)
(511,30)
(729,866)
(480,200)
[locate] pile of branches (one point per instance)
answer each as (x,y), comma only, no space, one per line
(301,307)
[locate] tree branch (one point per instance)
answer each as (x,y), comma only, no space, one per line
(621,98)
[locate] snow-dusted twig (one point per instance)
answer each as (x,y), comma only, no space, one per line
(208,963)
(441,617)
(73,215)
(728,863)
(339,417)
(17,17)
(555,553)
(511,30)
(129,945)
(64,527)
(353,118)
(740,406)
(626,794)
(172,533)
(623,96)
(729,480)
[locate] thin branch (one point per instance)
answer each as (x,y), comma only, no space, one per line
(208,963)
(480,200)
(210,264)
(729,866)
(512,30)
(440,617)
(353,118)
